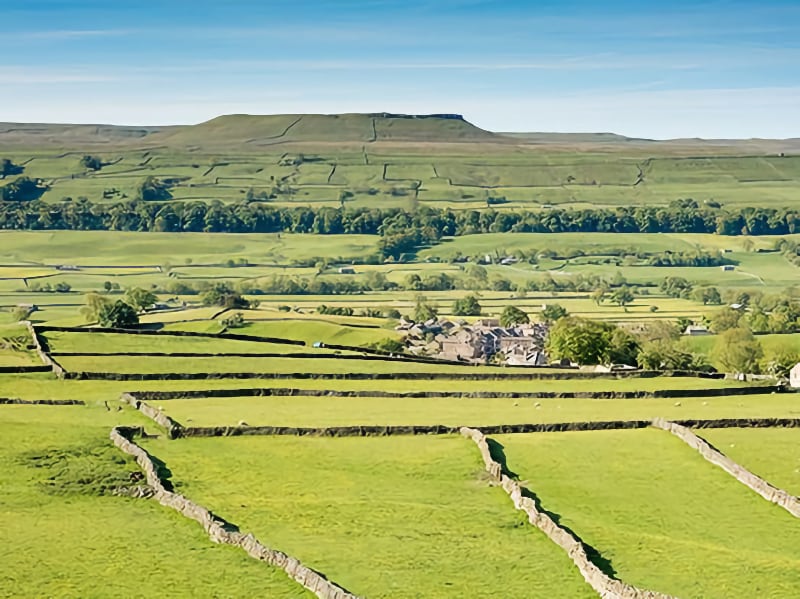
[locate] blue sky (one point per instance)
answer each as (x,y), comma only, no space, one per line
(661,70)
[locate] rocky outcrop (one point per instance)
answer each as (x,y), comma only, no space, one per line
(604,585)
(220,531)
(772,494)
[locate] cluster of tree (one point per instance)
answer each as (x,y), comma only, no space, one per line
(512,316)
(686,259)
(234,321)
(759,314)
(467,306)
(108,313)
(153,190)
(622,295)
(424,310)
(336,310)
(8,168)
(23,189)
(224,296)
(425,222)
(366,312)
(388,344)
(586,341)
(61,287)
(92,163)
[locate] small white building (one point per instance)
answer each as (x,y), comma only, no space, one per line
(727,267)
(695,330)
(794,376)
(347,270)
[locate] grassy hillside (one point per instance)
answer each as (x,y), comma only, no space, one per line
(260,130)
(389,160)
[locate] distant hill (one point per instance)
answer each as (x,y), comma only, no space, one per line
(257,130)
(256,133)
(566,138)
(48,135)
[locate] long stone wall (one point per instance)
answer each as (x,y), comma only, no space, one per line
(218,530)
(292,392)
(43,350)
(498,375)
(41,402)
(162,333)
(772,494)
(25,369)
(172,427)
(604,585)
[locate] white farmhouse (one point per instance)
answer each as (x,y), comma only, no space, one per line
(794,376)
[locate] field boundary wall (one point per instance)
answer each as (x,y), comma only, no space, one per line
(14,401)
(295,392)
(532,374)
(155,333)
(772,494)
(604,585)
(222,532)
(25,369)
(43,350)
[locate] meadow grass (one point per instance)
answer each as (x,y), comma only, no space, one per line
(316,412)
(663,517)
(131,248)
(60,537)
(771,344)
(391,517)
(773,454)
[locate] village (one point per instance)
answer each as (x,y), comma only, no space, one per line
(481,342)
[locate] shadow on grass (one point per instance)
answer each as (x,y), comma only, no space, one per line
(497,451)
(165,475)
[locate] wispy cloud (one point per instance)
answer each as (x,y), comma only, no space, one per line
(69,34)
(20,75)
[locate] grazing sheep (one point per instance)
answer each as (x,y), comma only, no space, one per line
(243,423)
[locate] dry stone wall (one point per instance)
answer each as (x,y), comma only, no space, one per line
(604,585)
(498,375)
(218,530)
(42,350)
(41,402)
(162,333)
(772,494)
(172,427)
(292,392)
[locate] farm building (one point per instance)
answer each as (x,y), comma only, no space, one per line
(694,330)
(347,270)
(727,267)
(480,342)
(794,376)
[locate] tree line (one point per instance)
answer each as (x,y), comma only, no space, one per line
(422,225)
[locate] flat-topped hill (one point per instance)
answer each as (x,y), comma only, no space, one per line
(259,130)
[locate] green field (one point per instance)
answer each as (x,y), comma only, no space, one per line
(316,412)
(60,538)
(389,516)
(391,161)
(399,517)
(772,454)
(664,518)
